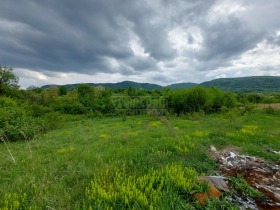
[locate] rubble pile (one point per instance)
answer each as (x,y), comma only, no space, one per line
(259,174)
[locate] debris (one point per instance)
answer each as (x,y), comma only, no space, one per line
(244,203)
(273,151)
(260,175)
(232,154)
(217,181)
(213,149)
(201,197)
(213,192)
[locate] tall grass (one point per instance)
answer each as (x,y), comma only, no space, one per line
(113,157)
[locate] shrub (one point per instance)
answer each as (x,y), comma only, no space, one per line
(269,110)
(15,125)
(51,121)
(26,121)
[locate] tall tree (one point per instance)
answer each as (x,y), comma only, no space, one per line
(7,78)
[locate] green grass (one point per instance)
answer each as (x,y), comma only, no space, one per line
(57,169)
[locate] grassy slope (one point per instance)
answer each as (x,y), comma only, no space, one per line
(61,164)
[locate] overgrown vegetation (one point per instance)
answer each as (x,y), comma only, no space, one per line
(124,148)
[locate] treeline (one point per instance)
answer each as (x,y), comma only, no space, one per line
(25,113)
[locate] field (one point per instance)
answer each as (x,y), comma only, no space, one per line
(274,106)
(129,162)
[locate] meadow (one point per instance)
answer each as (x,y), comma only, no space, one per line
(132,162)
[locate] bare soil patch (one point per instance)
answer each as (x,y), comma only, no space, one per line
(263,106)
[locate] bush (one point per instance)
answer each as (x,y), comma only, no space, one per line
(269,110)
(15,125)
(51,121)
(209,100)
(26,121)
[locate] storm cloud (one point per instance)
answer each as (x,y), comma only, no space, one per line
(158,41)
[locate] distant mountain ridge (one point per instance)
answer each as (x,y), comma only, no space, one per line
(241,84)
(247,84)
(182,85)
(124,84)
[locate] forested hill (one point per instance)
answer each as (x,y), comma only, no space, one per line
(124,84)
(247,84)
(241,84)
(182,85)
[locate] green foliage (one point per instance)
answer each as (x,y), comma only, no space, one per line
(209,100)
(16,125)
(14,201)
(201,187)
(269,110)
(52,120)
(62,90)
(24,122)
(7,78)
(244,188)
(65,161)
(85,95)
(117,191)
(218,204)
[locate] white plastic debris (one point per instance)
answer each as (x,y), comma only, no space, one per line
(232,154)
(213,149)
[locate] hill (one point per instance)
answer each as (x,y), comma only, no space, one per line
(182,85)
(241,84)
(124,84)
(247,84)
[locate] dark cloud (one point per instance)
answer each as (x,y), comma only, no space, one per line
(224,41)
(67,36)
(93,36)
(75,35)
(274,39)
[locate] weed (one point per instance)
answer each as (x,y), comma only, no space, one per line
(250,129)
(242,187)
(118,191)
(14,201)
(65,150)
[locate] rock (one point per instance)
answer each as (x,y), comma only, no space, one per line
(201,197)
(217,181)
(213,192)
(213,149)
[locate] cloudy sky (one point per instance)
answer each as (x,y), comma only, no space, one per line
(156,41)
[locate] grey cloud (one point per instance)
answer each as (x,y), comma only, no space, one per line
(78,36)
(142,64)
(71,37)
(225,40)
(74,36)
(274,39)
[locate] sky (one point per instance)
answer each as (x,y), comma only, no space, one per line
(155,41)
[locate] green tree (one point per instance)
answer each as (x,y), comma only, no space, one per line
(62,90)
(85,95)
(8,80)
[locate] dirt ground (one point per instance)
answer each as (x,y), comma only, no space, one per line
(274,106)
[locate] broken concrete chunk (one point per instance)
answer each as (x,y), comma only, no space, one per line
(217,181)
(213,149)
(258,173)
